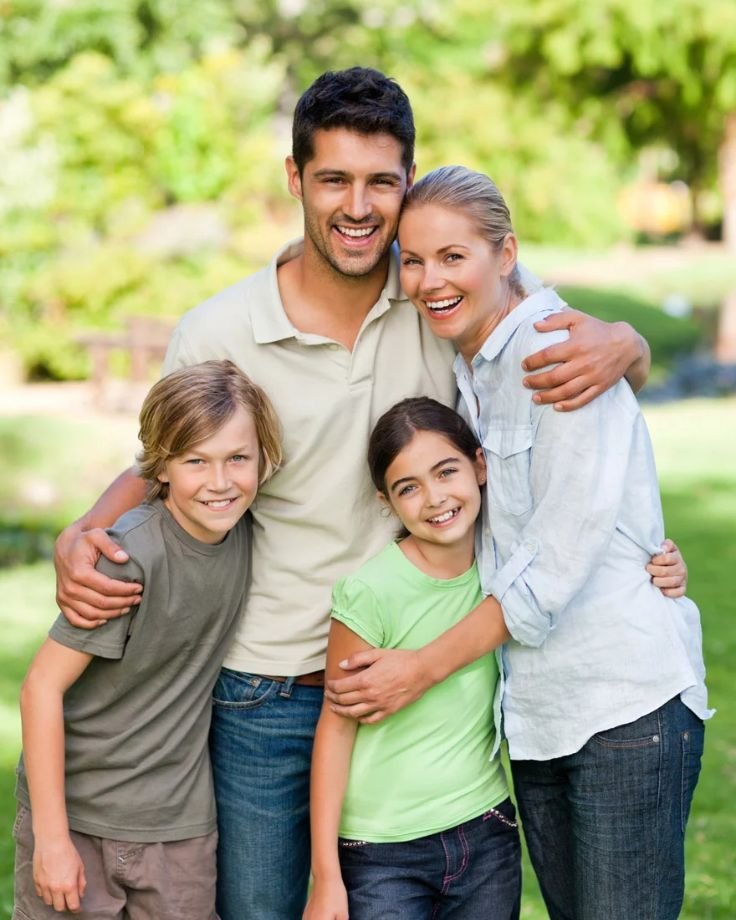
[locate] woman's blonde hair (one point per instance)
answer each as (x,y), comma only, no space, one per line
(190,405)
(458,187)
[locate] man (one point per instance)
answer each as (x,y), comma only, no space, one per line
(326,330)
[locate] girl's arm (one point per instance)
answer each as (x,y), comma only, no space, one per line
(58,872)
(333,748)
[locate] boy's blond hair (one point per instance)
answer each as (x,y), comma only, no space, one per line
(190,405)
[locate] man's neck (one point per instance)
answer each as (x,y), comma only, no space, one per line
(319,300)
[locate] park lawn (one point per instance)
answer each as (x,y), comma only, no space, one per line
(695,443)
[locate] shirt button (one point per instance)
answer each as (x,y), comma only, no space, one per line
(655,739)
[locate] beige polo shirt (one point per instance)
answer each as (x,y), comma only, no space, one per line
(318,518)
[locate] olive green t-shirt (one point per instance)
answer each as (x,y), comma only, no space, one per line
(136,721)
(428,767)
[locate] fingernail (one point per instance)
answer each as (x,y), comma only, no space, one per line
(343,663)
(125,610)
(524,366)
(122,556)
(537,398)
(526,383)
(557,407)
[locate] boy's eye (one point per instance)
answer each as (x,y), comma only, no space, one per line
(239,458)
(194,461)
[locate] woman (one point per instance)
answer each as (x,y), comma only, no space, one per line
(604,696)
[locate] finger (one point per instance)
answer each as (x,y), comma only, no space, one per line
(577,402)
(552,354)
(672,581)
(58,901)
(674,592)
(87,617)
(82,881)
(667,559)
(562,320)
(72,901)
(83,581)
(358,711)
(374,717)
(360,659)
(350,698)
(669,546)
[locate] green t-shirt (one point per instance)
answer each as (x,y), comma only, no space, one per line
(429,767)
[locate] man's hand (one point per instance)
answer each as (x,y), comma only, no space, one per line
(669,570)
(58,875)
(86,597)
(595,357)
(387,680)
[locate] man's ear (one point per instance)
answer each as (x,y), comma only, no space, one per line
(481,470)
(293,178)
(411,176)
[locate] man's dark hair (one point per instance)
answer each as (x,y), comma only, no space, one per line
(360,99)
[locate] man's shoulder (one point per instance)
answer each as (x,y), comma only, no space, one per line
(232,302)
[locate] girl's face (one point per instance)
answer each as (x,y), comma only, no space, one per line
(453,275)
(434,490)
(213,483)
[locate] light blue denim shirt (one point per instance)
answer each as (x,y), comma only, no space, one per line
(572,514)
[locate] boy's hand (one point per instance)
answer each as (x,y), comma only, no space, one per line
(86,597)
(327,902)
(595,357)
(669,570)
(58,874)
(386,681)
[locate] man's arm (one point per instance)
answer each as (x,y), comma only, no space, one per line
(596,356)
(86,597)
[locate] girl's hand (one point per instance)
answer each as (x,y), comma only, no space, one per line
(669,570)
(328,901)
(58,874)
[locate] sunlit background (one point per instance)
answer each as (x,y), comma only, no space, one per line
(141,169)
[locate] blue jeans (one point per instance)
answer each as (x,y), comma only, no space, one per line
(470,872)
(261,747)
(605,827)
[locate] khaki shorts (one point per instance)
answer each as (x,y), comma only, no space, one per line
(135,881)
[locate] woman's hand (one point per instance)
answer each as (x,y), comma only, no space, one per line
(86,597)
(386,681)
(669,570)
(58,874)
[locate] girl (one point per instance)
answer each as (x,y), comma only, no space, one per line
(420,801)
(605,694)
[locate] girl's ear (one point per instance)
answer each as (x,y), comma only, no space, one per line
(481,470)
(386,509)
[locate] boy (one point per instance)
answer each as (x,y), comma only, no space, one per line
(116,814)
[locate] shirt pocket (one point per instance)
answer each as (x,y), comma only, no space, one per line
(508,455)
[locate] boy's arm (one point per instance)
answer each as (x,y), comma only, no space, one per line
(333,747)
(86,597)
(595,356)
(58,872)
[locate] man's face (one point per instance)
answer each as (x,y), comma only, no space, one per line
(351,191)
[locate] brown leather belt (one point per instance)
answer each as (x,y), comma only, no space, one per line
(313,679)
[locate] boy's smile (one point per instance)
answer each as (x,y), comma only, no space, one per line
(213,483)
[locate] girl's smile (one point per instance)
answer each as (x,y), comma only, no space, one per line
(454,276)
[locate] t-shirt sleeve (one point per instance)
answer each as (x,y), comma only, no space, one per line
(106,641)
(355,605)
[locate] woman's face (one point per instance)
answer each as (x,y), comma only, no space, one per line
(453,275)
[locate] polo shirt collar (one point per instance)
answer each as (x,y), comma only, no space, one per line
(270,322)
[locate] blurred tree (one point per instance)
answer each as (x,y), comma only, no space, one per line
(633,72)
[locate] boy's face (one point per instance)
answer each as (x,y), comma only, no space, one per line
(351,191)
(213,483)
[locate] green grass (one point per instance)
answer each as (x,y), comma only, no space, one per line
(696,445)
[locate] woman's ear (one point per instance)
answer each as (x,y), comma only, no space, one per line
(481,470)
(509,254)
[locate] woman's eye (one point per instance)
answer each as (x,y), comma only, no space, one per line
(453,257)
(409,260)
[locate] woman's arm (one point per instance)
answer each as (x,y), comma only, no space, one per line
(58,872)
(333,747)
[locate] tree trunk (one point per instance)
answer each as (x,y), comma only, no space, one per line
(727,175)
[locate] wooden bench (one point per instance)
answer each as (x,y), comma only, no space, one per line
(144,340)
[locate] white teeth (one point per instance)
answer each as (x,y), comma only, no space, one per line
(441,518)
(443,304)
(221,503)
(356,232)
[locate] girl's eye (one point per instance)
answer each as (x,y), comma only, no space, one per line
(405,490)
(448,471)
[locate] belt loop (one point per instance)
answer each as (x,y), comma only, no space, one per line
(287,687)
